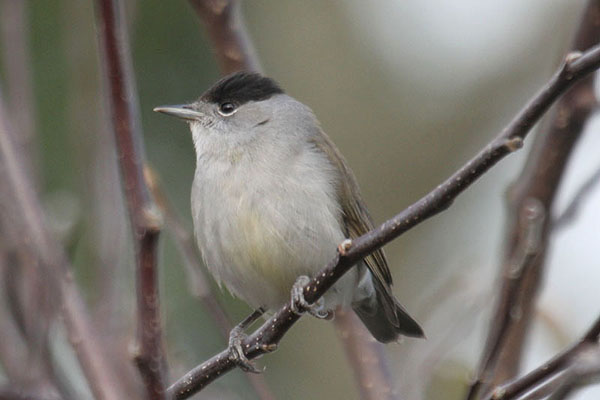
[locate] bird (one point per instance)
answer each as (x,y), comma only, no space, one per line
(272,198)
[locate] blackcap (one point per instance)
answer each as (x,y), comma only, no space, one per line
(272,198)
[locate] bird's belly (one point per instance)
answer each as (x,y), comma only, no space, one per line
(257,242)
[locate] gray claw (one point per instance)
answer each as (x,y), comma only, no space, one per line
(300,305)
(236,353)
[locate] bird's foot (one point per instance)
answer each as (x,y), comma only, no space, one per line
(300,305)
(236,338)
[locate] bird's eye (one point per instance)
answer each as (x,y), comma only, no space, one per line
(226,109)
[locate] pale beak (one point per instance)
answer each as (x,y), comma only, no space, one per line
(183,111)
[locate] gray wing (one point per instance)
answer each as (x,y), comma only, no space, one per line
(385,317)
(356,218)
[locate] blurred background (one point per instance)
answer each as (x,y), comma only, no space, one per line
(408,90)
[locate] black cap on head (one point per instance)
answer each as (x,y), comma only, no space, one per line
(240,88)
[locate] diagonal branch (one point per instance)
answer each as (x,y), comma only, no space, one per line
(546,372)
(537,184)
(267,337)
(144,216)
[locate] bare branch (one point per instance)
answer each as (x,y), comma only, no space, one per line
(267,337)
(538,183)
(366,356)
(584,371)
(144,216)
(547,371)
(225,26)
(531,220)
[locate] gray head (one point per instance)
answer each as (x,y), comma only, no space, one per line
(241,103)
(246,115)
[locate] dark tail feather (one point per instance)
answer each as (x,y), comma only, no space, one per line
(385,318)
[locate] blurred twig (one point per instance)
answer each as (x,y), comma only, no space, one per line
(570,212)
(21,362)
(28,219)
(27,297)
(267,337)
(11,393)
(16,60)
(572,360)
(225,26)
(366,357)
(532,220)
(144,215)
(537,184)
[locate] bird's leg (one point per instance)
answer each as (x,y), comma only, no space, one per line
(300,305)
(236,338)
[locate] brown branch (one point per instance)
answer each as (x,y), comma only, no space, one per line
(584,371)
(532,221)
(366,357)
(549,370)
(144,216)
(225,26)
(538,184)
(21,204)
(267,337)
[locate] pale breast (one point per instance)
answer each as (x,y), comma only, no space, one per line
(259,227)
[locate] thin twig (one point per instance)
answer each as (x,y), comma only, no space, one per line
(548,370)
(144,215)
(538,183)
(267,337)
(225,26)
(570,212)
